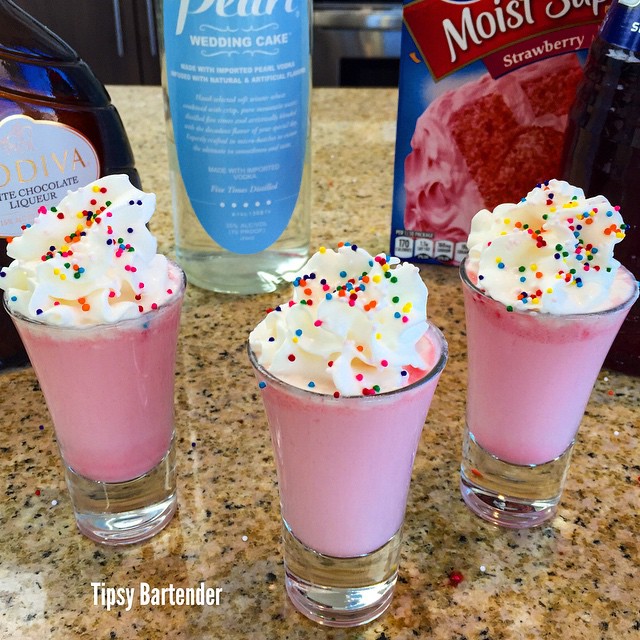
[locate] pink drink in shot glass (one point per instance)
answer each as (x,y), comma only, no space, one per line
(347,369)
(544,299)
(98,310)
(109,390)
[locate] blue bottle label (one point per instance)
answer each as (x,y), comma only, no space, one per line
(621,26)
(238,85)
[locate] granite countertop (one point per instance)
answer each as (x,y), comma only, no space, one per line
(574,579)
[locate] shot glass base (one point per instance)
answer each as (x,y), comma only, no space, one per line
(340,592)
(510,495)
(119,513)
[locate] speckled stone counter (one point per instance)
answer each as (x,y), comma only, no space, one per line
(574,579)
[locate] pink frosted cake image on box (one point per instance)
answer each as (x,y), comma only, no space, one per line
(485,142)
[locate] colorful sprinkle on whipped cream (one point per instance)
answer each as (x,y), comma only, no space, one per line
(352,327)
(551,252)
(90,259)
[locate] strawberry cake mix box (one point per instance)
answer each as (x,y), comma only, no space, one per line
(485,88)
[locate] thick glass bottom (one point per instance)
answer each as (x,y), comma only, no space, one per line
(226,272)
(340,592)
(118,513)
(511,495)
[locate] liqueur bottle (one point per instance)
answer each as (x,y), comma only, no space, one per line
(602,146)
(237,87)
(58,131)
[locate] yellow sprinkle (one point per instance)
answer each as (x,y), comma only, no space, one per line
(56,272)
(378,336)
(65,248)
(80,228)
(534,267)
(406,308)
(63,276)
(376,278)
(503,233)
(535,300)
(95,188)
(322,249)
(549,290)
(552,209)
(79,214)
(498,260)
(385,267)
(620,235)
(507,220)
(294,339)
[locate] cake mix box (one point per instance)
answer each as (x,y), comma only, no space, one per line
(485,88)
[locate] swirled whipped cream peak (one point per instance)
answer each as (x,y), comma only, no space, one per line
(352,327)
(90,259)
(551,252)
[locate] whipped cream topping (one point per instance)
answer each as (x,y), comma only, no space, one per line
(90,260)
(551,252)
(351,328)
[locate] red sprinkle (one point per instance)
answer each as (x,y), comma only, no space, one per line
(455,578)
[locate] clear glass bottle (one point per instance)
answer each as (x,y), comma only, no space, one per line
(237,85)
(602,147)
(58,131)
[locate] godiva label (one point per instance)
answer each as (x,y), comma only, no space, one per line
(39,162)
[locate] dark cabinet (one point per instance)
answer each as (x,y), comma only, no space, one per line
(117,38)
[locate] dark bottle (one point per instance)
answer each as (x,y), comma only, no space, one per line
(58,131)
(602,147)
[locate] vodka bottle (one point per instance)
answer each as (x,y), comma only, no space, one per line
(236,77)
(58,131)
(602,147)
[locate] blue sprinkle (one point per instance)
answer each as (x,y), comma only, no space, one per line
(609,214)
(14,298)
(3,274)
(397,314)
(312,276)
(579,257)
(480,277)
(38,311)
(523,279)
(130,229)
(371,263)
(139,202)
(131,202)
(576,234)
(262,384)
(343,274)
(500,265)
(594,250)
(272,339)
(404,373)
(328,296)
(311,385)
(298,332)
(556,256)
(354,247)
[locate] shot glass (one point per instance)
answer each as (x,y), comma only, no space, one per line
(344,466)
(109,390)
(530,376)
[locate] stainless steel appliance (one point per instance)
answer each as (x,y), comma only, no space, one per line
(356,44)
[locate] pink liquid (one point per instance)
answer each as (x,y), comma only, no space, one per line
(344,465)
(531,375)
(109,390)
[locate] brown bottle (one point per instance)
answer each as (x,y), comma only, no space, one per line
(58,131)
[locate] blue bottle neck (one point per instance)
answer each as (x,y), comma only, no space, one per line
(621,25)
